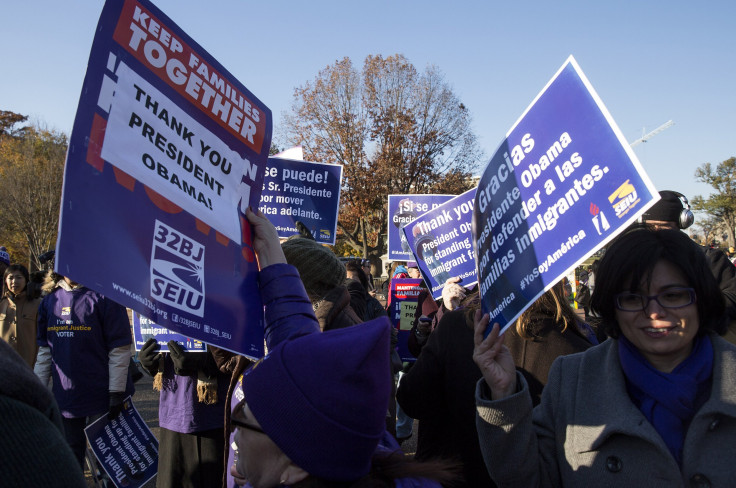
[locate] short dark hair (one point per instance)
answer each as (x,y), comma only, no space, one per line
(354,265)
(629,262)
(11,269)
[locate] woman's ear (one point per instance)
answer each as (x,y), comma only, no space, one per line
(293,474)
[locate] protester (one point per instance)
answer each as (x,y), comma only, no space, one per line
(323,276)
(33,450)
(191,415)
(412,269)
(311,413)
(373,308)
(371,288)
(428,313)
(18,314)
(84,341)
(397,271)
(439,389)
(652,406)
(426,318)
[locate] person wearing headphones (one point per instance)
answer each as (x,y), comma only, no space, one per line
(673,211)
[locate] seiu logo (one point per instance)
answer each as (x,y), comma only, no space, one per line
(623,199)
(177,270)
(66,311)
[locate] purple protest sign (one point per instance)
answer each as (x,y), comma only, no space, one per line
(404,293)
(441,241)
(125,447)
(562,184)
(304,191)
(144,329)
(167,151)
(402,210)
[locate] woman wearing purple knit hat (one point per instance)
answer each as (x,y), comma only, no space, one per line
(311,413)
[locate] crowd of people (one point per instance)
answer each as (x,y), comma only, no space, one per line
(638,391)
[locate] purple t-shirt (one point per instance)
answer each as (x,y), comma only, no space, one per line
(180,410)
(81,327)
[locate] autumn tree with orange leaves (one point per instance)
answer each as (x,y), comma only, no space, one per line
(31,172)
(395,130)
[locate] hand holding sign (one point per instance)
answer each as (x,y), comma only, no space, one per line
(265,240)
(185,364)
(452,293)
(493,358)
(150,356)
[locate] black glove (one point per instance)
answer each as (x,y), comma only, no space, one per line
(116,404)
(185,364)
(149,356)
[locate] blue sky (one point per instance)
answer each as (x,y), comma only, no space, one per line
(649,61)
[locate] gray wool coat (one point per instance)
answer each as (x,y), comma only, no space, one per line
(587,432)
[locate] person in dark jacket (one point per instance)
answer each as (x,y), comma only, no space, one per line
(358,288)
(33,449)
(439,390)
(323,276)
(429,313)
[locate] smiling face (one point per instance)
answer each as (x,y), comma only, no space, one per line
(15,282)
(664,336)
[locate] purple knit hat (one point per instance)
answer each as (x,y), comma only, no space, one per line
(322,398)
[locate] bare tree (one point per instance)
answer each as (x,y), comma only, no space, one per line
(394,130)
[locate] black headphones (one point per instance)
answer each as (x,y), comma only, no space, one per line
(686,217)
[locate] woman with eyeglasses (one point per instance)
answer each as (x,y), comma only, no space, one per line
(653,406)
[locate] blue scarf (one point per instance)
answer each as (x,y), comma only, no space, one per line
(669,400)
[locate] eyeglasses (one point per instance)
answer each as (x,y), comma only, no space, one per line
(243,425)
(671,298)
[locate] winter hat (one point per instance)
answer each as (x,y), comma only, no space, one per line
(319,268)
(670,208)
(4,256)
(322,398)
(400,269)
(412,264)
